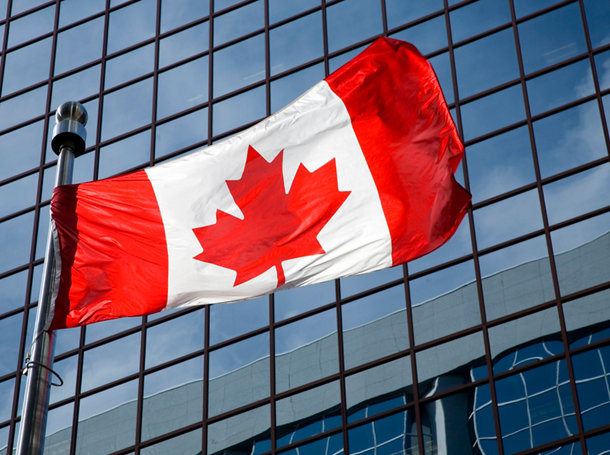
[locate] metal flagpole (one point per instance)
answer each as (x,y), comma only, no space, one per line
(68,141)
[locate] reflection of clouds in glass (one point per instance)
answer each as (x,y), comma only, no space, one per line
(577,194)
(508,219)
(111,361)
(233,319)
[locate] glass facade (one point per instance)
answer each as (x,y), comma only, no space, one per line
(496,343)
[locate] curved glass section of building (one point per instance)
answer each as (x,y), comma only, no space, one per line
(496,343)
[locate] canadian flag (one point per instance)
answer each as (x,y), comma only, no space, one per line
(354,176)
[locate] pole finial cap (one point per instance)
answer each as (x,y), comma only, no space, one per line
(70,121)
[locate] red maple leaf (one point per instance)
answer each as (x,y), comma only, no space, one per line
(277,225)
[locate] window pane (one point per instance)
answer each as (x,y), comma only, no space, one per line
(175,13)
(483,116)
(111,361)
(12,290)
(380,317)
(591,371)
(79,45)
(597,13)
(192,128)
(507,219)
(400,12)
(306,350)
(76,87)
(289,88)
(560,87)
(234,319)
(486,63)
(126,154)
(16,235)
(182,87)
(74,10)
(10,335)
(551,38)
(18,194)
(129,66)
(174,338)
(239,65)
(394,434)
(281,9)
(558,136)
(342,17)
(127,109)
(28,27)
(184,44)
(20,72)
(428,36)
(478,17)
(239,374)
(131,24)
(296,42)
(247,432)
(173,398)
(238,22)
(500,164)
(516,277)
(187,443)
(237,110)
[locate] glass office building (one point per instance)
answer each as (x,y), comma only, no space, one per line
(496,343)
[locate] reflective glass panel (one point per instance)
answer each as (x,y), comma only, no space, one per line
(182,87)
(597,14)
(394,434)
(238,110)
(184,444)
(239,65)
(115,411)
(298,300)
(400,12)
(129,66)
(535,407)
(103,329)
(173,398)
(351,285)
(380,317)
(379,389)
(591,371)
(281,9)
(128,153)
(59,427)
(510,218)
(442,67)
(238,22)
(234,319)
(66,369)
(597,445)
(16,235)
(239,374)
(288,88)
(28,27)
(74,10)
(307,414)
(28,141)
(193,128)
(247,432)
(296,42)
(175,13)
(6,402)
(516,277)
(184,44)
(483,116)
(19,72)
(18,194)
(111,361)
(551,38)
(341,20)
(174,338)
(496,54)
(131,24)
(428,36)
(581,254)
(79,45)
(577,194)
(306,350)
(23,107)
(569,138)
(127,109)
(76,87)
(12,290)
(478,17)
(10,334)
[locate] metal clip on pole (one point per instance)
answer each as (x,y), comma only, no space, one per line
(68,141)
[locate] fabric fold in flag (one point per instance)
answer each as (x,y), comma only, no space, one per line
(354,176)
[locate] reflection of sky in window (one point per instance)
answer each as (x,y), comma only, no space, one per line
(79,45)
(19,71)
(351,21)
(400,12)
(34,24)
(239,65)
(281,9)
(238,22)
(478,17)
(180,12)
(129,66)
(73,10)
(131,24)
(428,36)
(182,45)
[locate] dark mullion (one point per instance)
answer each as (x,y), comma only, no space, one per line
(272,383)
(77,391)
(412,359)
(100,105)
(341,360)
(595,75)
(475,253)
(547,235)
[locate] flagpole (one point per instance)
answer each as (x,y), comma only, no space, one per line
(68,141)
